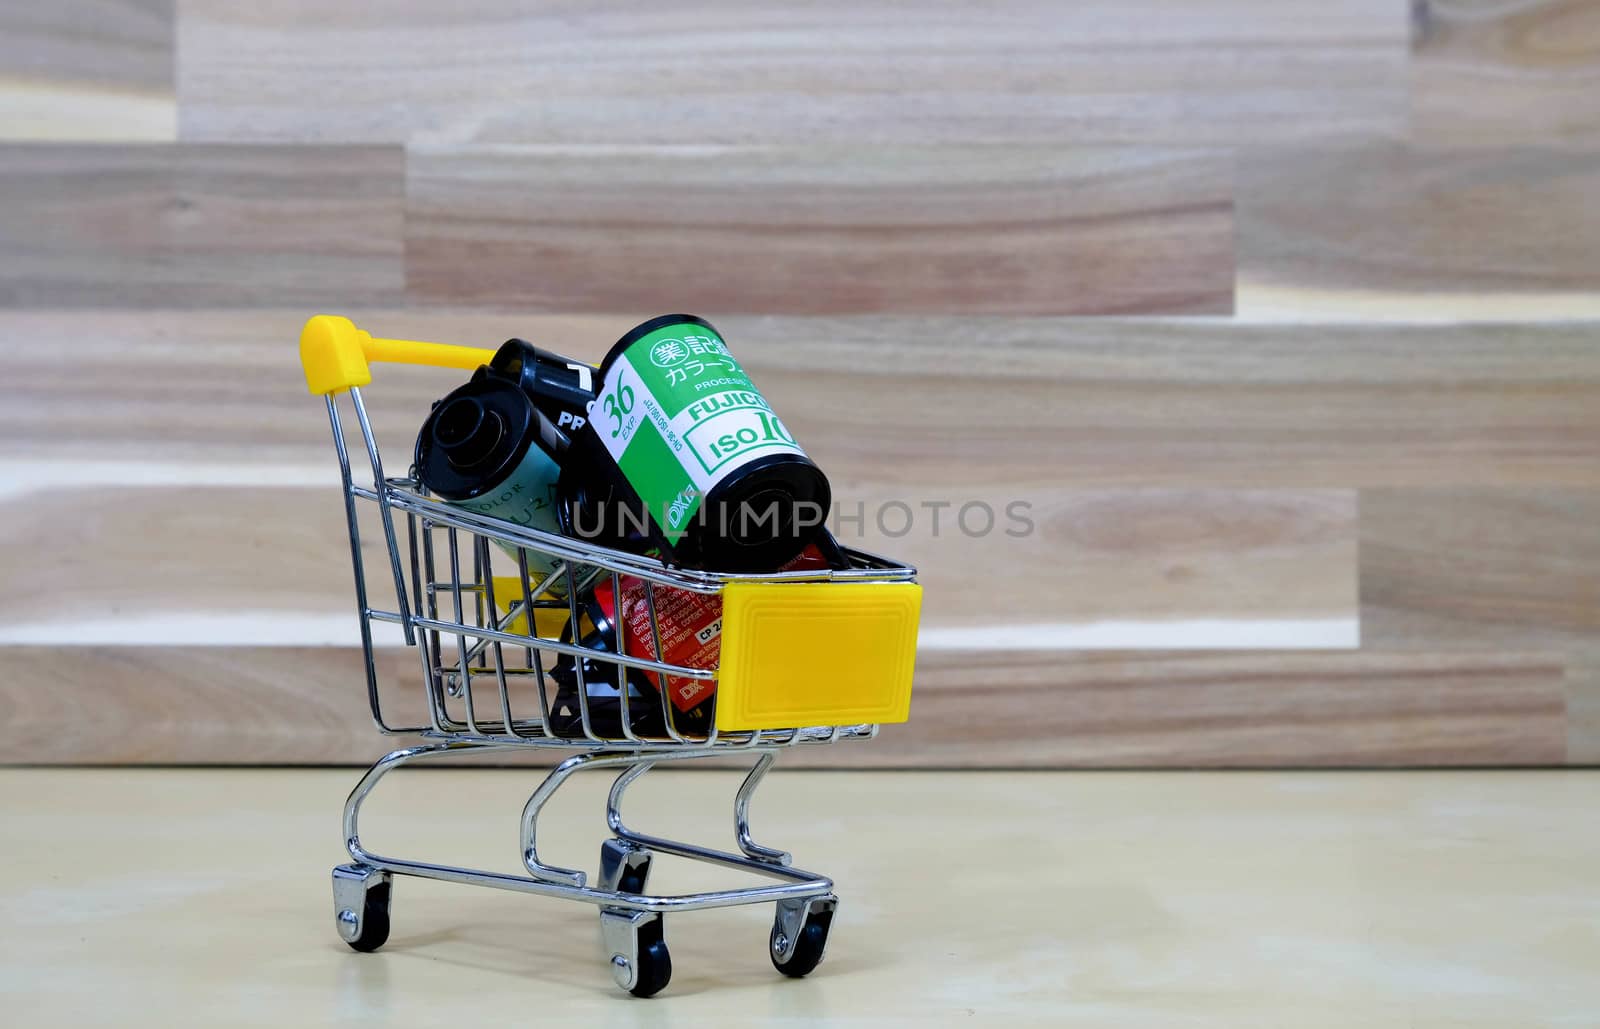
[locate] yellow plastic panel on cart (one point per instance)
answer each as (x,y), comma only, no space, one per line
(817,653)
(547,621)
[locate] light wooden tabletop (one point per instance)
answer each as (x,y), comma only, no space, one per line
(163,897)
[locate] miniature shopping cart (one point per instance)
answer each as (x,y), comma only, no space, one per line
(807,657)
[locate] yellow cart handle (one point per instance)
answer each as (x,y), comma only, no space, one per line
(336,354)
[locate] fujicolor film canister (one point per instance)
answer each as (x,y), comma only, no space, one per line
(693,439)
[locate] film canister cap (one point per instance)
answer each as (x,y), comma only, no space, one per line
(478,435)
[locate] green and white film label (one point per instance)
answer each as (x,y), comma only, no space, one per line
(679,415)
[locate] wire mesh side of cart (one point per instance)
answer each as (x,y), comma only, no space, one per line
(491,608)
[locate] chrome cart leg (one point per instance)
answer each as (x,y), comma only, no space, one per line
(800,934)
(381,767)
(741,814)
(618,788)
(624,864)
(361,905)
(530,824)
(636,945)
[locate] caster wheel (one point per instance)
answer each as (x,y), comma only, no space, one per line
(636,941)
(374,926)
(798,955)
(361,906)
(623,867)
(654,963)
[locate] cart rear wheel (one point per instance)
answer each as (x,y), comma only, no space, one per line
(637,943)
(811,939)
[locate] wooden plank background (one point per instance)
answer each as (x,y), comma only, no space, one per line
(1282,320)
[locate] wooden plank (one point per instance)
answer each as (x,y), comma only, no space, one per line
(1489,73)
(1052,404)
(240,367)
(1583,703)
(163,552)
(1231,710)
(1380,231)
(1159,568)
(1166,566)
(183,225)
(1489,569)
(307,705)
(88,70)
(1215,71)
(1480,568)
(190,705)
(790,230)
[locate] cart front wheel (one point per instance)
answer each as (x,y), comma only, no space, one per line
(361,906)
(655,962)
(800,935)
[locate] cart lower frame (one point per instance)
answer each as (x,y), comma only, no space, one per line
(630,919)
